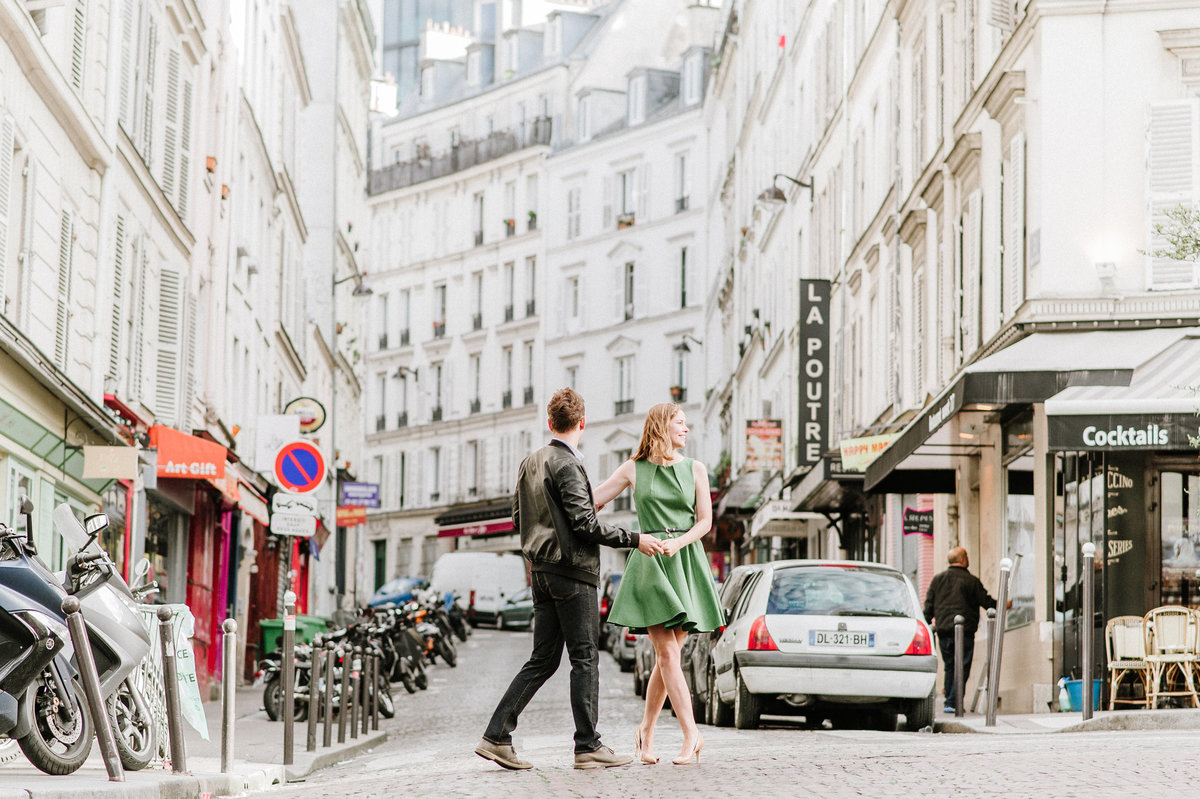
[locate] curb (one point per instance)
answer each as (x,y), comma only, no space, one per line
(1123,721)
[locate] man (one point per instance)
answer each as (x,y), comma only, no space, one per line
(956,592)
(555,514)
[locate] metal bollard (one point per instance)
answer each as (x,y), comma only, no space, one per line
(91,690)
(314,693)
(327,696)
(996,641)
(288,659)
(344,703)
(1089,625)
(228,692)
(368,692)
(959,621)
(355,689)
(171,689)
(375,692)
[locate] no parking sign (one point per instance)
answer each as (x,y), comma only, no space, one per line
(300,467)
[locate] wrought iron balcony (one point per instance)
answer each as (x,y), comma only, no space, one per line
(465,154)
(532,221)
(402,419)
(404,338)
(508,313)
(477,321)
(530,307)
(436,414)
(626,220)
(383,341)
(622,406)
(478,237)
(623,502)
(380,422)
(681,204)
(506,399)
(528,395)
(475,405)
(439,329)
(510,228)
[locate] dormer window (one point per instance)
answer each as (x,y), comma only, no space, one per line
(553,36)
(636,112)
(693,79)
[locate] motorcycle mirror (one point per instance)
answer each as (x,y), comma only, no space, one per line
(26,504)
(141,569)
(27,511)
(94,525)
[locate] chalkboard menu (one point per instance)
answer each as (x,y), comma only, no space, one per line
(1125,546)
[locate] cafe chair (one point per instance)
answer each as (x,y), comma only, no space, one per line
(1125,644)
(1170,638)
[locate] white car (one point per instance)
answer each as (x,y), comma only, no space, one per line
(822,639)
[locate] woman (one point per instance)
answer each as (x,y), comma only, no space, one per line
(669,595)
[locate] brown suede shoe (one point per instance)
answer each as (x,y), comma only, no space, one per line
(601,758)
(503,754)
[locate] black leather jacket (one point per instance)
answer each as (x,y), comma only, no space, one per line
(554,511)
(956,592)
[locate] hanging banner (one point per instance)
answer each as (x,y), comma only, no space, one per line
(351,515)
(814,370)
(857,453)
(764,445)
(182,455)
(365,494)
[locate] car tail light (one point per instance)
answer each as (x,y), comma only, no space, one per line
(630,637)
(604,606)
(471,602)
(760,638)
(921,645)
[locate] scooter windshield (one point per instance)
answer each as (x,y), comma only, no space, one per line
(67,525)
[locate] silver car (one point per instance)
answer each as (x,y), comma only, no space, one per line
(622,647)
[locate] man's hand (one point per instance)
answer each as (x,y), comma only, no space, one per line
(649,545)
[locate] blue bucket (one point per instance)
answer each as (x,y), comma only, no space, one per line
(1075,694)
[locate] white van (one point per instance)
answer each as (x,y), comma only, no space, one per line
(484,580)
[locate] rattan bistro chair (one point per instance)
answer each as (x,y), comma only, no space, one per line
(1125,644)
(1170,636)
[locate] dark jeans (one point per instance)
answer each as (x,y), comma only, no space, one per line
(564,611)
(946,644)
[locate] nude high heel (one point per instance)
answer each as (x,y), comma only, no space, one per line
(683,761)
(637,748)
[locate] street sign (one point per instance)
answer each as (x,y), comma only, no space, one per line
(311,413)
(365,494)
(351,515)
(300,467)
(284,502)
(293,524)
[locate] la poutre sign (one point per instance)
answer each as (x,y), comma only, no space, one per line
(814,370)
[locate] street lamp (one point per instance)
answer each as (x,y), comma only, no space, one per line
(360,289)
(773,195)
(403,371)
(682,346)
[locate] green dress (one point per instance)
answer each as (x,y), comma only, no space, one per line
(676,591)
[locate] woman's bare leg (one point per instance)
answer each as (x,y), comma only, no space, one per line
(656,694)
(669,673)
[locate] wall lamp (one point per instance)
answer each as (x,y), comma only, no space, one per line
(404,371)
(774,195)
(682,346)
(360,290)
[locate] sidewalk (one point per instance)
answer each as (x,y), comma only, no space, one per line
(1102,720)
(258,744)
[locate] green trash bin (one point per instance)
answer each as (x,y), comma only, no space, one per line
(307,628)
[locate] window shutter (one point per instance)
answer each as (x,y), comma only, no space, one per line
(1000,14)
(607,220)
(643,198)
(1014,226)
(166,388)
(128,52)
(972,233)
(118,297)
(641,293)
(918,338)
(189,351)
(62,320)
(150,48)
(1172,163)
(78,45)
(137,388)
(7,135)
(170,160)
(185,149)
(618,291)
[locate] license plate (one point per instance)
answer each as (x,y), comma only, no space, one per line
(840,638)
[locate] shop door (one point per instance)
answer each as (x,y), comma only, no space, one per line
(1080,511)
(202,562)
(1179,533)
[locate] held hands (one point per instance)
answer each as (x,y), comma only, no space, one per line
(649,545)
(671,545)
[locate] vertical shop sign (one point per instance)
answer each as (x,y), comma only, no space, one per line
(1124,534)
(814,370)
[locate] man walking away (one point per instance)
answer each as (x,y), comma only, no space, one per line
(555,514)
(956,592)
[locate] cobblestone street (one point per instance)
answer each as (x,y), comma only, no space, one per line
(430,752)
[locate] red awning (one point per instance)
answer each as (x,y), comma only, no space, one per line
(490,528)
(182,455)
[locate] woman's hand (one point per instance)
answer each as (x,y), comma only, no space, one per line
(672,545)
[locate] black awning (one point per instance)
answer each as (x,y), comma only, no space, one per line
(475,512)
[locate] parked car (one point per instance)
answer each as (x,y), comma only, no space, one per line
(484,579)
(643,663)
(622,647)
(397,591)
(608,592)
(837,640)
(517,611)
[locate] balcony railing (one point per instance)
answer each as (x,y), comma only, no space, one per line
(476,321)
(625,220)
(622,406)
(475,405)
(506,399)
(404,338)
(510,228)
(402,419)
(436,414)
(380,422)
(383,341)
(530,307)
(681,204)
(508,313)
(532,225)
(439,329)
(678,394)
(478,237)
(623,502)
(463,155)
(528,395)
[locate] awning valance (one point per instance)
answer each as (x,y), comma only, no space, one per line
(477,518)
(1029,371)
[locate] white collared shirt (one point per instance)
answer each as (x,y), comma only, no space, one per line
(574,451)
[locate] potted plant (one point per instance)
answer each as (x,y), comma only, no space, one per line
(510,226)
(677,393)
(533,220)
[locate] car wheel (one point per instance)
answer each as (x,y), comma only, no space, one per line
(626,665)
(698,711)
(919,714)
(746,707)
(719,713)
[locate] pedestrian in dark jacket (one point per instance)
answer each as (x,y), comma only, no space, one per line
(956,592)
(555,514)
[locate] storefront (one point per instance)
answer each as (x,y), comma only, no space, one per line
(480,527)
